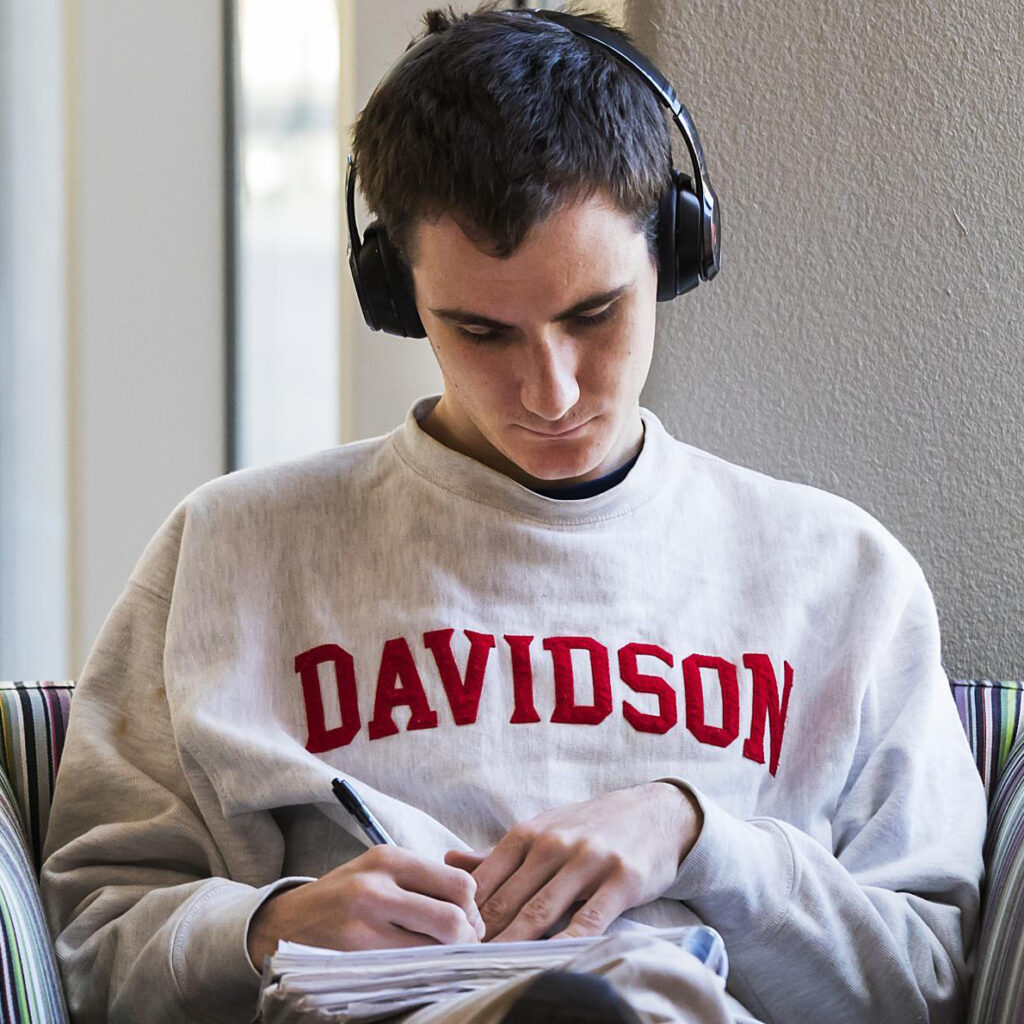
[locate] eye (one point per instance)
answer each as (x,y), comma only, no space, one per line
(600,317)
(480,334)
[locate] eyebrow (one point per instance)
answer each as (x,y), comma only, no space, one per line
(461,316)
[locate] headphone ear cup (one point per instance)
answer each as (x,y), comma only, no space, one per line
(665,243)
(689,258)
(384,286)
(678,241)
(364,263)
(400,289)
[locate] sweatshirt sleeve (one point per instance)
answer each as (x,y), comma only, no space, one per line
(148,922)
(878,928)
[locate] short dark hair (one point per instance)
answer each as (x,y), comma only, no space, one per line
(503,120)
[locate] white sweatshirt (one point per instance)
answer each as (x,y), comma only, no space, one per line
(471,653)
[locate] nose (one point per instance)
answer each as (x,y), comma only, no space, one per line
(548,387)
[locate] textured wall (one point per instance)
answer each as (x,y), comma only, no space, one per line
(867,330)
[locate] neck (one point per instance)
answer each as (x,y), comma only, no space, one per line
(466,439)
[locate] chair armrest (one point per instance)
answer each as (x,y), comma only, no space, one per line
(33,991)
(998,991)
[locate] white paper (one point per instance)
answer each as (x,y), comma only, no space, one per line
(362,985)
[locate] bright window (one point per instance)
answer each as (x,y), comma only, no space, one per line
(287,373)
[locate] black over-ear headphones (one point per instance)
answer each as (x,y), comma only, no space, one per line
(689,238)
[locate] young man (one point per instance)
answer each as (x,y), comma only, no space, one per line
(582,671)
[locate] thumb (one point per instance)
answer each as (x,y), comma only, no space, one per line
(467,860)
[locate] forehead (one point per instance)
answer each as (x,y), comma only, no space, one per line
(583,247)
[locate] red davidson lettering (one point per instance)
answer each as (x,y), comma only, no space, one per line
(579,698)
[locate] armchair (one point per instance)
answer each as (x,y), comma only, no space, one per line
(33,720)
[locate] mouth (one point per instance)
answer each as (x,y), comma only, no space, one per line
(553,434)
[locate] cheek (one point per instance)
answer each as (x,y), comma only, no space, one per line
(480,376)
(457,365)
(630,357)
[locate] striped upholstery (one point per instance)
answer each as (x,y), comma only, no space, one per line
(34,719)
(30,988)
(991,713)
(998,994)
(992,717)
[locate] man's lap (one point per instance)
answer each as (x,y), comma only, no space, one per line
(660,982)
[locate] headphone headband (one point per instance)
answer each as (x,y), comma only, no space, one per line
(629,55)
(688,232)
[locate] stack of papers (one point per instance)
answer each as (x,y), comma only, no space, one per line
(369,985)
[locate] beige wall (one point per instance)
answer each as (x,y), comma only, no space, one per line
(866,333)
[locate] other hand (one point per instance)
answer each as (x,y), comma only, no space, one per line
(608,854)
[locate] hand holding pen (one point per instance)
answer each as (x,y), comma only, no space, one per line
(385,898)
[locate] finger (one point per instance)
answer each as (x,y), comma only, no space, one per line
(440,920)
(429,878)
(547,859)
(467,860)
(503,861)
(598,912)
(535,906)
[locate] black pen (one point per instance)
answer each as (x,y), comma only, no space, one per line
(349,799)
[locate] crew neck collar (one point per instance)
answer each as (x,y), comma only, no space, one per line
(465,476)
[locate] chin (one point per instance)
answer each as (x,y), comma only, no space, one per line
(555,460)
(553,469)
